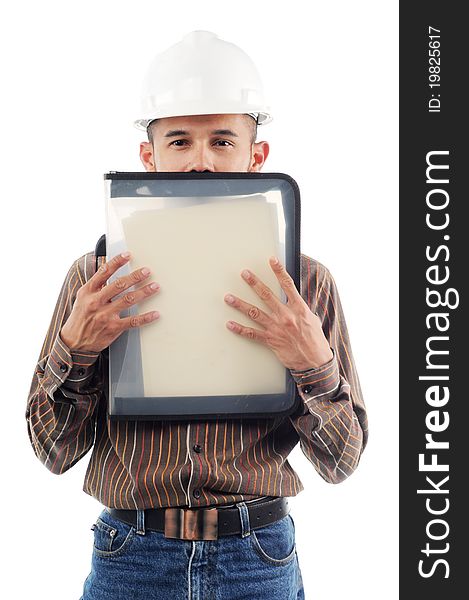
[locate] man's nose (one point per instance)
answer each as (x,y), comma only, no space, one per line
(200,161)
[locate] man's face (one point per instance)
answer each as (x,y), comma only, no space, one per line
(203,143)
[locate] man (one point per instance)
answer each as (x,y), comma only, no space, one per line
(234,538)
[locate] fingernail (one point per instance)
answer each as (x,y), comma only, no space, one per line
(229,298)
(245,273)
(125,254)
(274,259)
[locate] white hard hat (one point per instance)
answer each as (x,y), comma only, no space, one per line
(202,75)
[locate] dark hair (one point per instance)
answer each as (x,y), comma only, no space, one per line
(252,124)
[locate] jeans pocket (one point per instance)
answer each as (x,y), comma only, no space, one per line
(112,537)
(275,543)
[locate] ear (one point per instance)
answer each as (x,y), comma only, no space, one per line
(146,156)
(259,155)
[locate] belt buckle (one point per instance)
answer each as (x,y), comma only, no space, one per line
(191,523)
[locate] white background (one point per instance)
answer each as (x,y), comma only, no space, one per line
(71,75)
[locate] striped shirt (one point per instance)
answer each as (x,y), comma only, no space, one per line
(149,464)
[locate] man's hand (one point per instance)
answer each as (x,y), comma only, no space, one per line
(291,330)
(94,322)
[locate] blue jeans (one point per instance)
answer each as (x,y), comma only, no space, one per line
(131,563)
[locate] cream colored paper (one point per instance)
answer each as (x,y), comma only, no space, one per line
(196,253)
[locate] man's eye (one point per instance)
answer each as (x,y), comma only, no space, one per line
(224,143)
(178,142)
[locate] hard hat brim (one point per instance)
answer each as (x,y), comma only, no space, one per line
(142,124)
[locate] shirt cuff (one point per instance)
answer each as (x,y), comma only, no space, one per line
(320,382)
(72,366)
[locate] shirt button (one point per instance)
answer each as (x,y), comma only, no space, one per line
(81,371)
(63,368)
(197,448)
(307,389)
(196,493)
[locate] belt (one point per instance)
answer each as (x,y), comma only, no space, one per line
(205,523)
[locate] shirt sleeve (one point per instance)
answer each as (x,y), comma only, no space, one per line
(331,421)
(66,386)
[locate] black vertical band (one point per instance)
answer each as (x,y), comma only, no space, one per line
(433,299)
